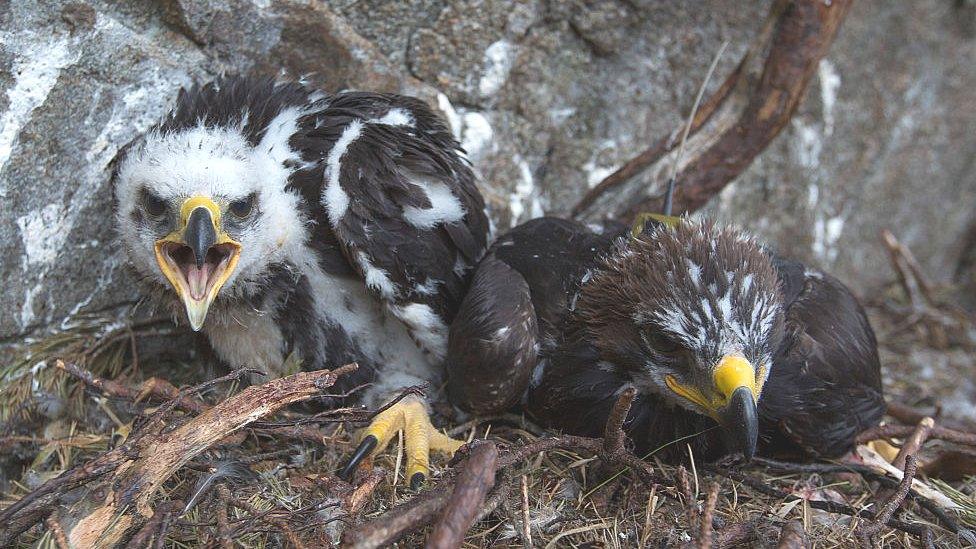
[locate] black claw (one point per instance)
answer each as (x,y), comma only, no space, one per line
(417,481)
(363,450)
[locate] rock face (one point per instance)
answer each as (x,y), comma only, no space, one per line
(548,98)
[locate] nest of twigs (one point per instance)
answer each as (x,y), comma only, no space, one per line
(98,446)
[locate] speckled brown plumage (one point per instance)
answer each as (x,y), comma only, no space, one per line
(606,306)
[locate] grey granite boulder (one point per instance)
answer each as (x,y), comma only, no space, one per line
(548,97)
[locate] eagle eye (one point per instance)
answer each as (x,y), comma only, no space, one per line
(155,206)
(243,207)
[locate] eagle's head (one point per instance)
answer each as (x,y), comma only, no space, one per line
(693,313)
(201,201)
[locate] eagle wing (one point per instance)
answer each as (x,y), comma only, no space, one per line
(401,204)
(825,387)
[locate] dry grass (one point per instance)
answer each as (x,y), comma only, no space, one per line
(50,422)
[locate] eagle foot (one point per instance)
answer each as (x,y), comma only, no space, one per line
(420,438)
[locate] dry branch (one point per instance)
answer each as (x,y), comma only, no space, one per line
(868,531)
(57,533)
(140,466)
(223,526)
(736,124)
(707,516)
(914,442)
(869,473)
(700,524)
(828,506)
(399,521)
(228,499)
(112,388)
(613,434)
(911,416)
(137,481)
(155,527)
(916,286)
(358,497)
(899,431)
(792,536)
(473,484)
(690,501)
(526,515)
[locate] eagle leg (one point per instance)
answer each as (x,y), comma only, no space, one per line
(420,437)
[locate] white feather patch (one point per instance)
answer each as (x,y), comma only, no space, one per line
(444,206)
(395,117)
(376,278)
(334,198)
(279,131)
(425,326)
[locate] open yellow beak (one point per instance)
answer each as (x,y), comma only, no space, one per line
(732,402)
(198,257)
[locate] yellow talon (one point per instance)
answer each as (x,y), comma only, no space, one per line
(410,416)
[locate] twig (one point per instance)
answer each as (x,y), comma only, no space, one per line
(708,515)
(610,448)
(900,431)
(828,506)
(868,531)
(613,434)
(57,533)
(174,398)
(150,457)
(497,496)
(910,415)
(353,414)
(473,484)
(700,523)
(736,123)
(672,178)
(115,389)
(232,376)
(156,526)
(526,517)
(356,499)
(910,447)
(792,536)
(691,503)
(416,513)
(400,520)
(412,390)
(648,511)
(37,503)
(223,526)
(871,474)
(913,281)
(225,495)
(914,442)
(644,470)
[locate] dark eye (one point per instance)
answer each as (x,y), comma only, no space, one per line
(662,344)
(243,207)
(154,205)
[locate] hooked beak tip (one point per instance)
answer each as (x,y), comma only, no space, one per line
(740,420)
(196,312)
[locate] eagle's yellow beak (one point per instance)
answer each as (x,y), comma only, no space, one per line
(731,401)
(198,257)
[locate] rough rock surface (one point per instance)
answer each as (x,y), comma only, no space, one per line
(547,96)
